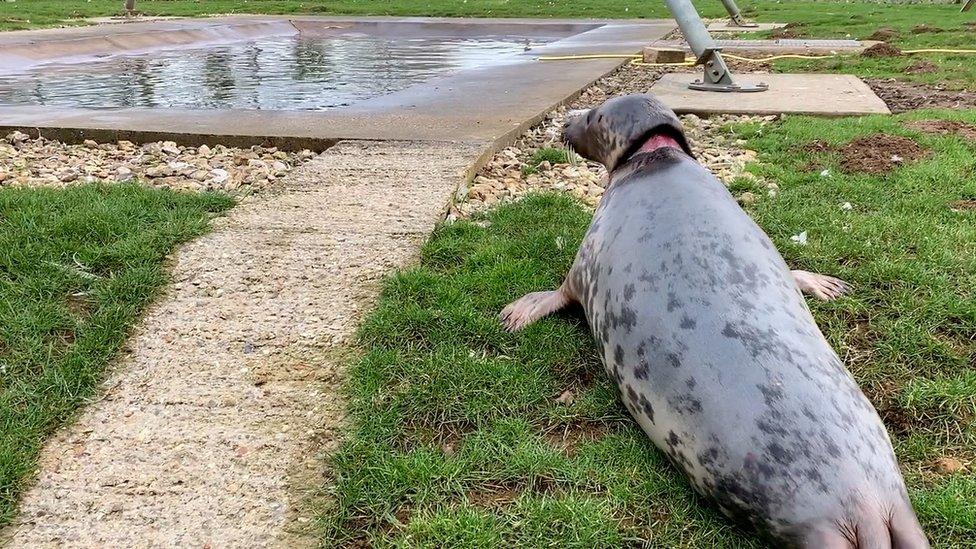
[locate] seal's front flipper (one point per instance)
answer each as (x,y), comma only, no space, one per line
(820,286)
(532,307)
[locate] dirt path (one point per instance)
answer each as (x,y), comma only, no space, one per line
(202,434)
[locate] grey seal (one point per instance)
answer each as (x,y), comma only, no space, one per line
(705,330)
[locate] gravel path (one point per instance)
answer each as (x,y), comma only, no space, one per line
(201,436)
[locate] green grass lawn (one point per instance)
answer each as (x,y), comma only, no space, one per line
(459,438)
(76,268)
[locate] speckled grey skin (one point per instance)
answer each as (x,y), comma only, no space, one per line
(704,329)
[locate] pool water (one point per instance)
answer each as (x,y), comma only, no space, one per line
(275,73)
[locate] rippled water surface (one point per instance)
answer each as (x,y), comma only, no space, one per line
(286,73)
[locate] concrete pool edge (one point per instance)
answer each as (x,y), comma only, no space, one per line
(489,106)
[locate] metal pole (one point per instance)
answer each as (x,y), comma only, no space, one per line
(736,16)
(130,7)
(717,75)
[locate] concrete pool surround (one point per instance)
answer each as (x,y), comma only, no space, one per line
(475,105)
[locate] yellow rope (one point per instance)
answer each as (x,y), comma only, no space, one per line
(937,50)
(636,59)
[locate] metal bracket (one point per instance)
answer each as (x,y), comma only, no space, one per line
(717,74)
(736,16)
(718,78)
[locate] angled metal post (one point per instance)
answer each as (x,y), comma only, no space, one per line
(736,16)
(717,76)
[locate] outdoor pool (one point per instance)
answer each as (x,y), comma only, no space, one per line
(296,72)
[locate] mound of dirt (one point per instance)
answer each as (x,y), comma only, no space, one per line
(790,31)
(905,96)
(880,153)
(883,34)
(918,29)
(944,127)
(922,67)
(883,49)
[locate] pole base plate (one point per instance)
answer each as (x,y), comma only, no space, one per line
(728,88)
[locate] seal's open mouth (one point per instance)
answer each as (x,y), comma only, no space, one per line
(658,138)
(658,141)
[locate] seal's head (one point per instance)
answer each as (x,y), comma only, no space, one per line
(624,126)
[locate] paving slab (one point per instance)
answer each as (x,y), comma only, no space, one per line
(779,46)
(816,94)
(729,26)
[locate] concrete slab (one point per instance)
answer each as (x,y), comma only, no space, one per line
(728,26)
(778,47)
(816,94)
(487,105)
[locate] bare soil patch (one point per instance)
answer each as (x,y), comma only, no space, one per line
(493,496)
(962,205)
(922,67)
(904,96)
(880,153)
(944,127)
(570,436)
(819,146)
(791,30)
(922,28)
(948,465)
(883,49)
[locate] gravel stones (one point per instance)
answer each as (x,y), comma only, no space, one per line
(510,174)
(27,162)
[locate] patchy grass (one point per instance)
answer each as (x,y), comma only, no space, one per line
(459,438)
(861,20)
(76,268)
(907,332)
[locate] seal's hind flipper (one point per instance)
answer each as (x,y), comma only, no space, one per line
(532,307)
(826,288)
